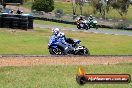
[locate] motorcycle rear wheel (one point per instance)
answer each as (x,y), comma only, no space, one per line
(96,27)
(87,27)
(57,51)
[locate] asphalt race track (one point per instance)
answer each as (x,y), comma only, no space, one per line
(113,32)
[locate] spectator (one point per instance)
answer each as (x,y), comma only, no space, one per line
(11,12)
(18,11)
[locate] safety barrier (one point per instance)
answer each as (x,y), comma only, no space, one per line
(24,21)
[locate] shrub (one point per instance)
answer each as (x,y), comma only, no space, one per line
(58,13)
(122,25)
(43,5)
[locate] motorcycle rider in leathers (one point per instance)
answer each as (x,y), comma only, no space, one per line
(80,20)
(90,18)
(60,35)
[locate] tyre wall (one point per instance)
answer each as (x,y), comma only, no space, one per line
(16,21)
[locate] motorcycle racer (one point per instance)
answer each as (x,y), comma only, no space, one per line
(57,33)
(79,20)
(90,18)
(60,35)
(60,45)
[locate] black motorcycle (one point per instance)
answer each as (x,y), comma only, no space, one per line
(83,25)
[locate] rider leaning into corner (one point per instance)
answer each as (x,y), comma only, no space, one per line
(70,46)
(90,18)
(80,19)
(57,34)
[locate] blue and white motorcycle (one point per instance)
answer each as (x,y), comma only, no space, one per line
(65,46)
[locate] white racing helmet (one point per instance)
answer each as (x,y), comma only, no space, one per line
(55,31)
(21,11)
(91,16)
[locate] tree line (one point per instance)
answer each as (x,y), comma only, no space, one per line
(101,6)
(104,6)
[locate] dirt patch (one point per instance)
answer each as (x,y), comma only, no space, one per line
(29,61)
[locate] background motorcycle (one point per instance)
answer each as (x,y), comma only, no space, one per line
(83,25)
(87,24)
(92,23)
(61,47)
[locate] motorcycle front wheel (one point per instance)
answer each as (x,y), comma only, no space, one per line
(86,51)
(78,27)
(83,51)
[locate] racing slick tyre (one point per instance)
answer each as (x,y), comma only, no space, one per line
(56,51)
(15,23)
(24,20)
(86,51)
(30,25)
(78,27)
(96,27)
(83,51)
(6,25)
(87,27)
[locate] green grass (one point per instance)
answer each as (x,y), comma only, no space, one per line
(27,5)
(58,76)
(23,42)
(35,42)
(54,24)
